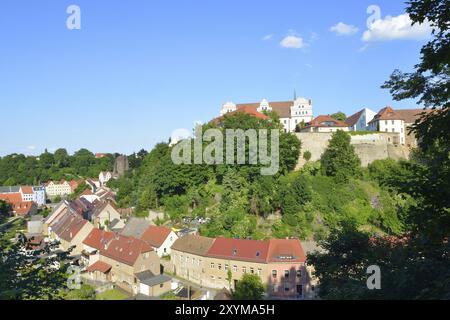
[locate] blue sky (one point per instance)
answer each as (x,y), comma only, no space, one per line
(137,70)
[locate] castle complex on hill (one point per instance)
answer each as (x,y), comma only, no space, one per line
(298,116)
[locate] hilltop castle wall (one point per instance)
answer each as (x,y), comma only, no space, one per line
(369,147)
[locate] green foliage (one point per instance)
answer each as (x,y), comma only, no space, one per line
(339,116)
(79,190)
(17,169)
(249,287)
(307,155)
(86,292)
(31,277)
(339,159)
(5,210)
(417,265)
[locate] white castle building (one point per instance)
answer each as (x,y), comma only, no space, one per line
(291,113)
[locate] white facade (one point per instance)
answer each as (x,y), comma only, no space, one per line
(104,177)
(165,248)
(228,107)
(39,195)
(301,111)
(395,126)
(362,124)
(54,189)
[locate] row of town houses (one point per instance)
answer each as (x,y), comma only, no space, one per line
(297,116)
(144,259)
(26,200)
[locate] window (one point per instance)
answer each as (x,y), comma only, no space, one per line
(286,273)
(386,122)
(212,265)
(274,274)
(299,273)
(393,130)
(219,266)
(286,288)
(234,268)
(226,267)
(252,271)
(244,270)
(161,285)
(259,272)
(393,122)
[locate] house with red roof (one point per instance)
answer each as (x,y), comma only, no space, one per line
(325,123)
(129,263)
(160,238)
(70,229)
(398,121)
(18,205)
(60,188)
(280,263)
(292,113)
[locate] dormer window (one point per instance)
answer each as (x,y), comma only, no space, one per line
(258,253)
(234,252)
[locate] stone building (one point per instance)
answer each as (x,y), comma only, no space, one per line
(121,166)
(292,113)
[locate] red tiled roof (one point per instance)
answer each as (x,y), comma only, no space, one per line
(27,190)
(19,207)
(11,197)
(324,121)
(117,247)
(97,239)
(411,115)
(155,236)
(285,250)
(351,121)
(125,249)
(239,249)
(73,185)
(87,192)
(69,225)
(101,266)
(282,108)
(243,109)
(275,250)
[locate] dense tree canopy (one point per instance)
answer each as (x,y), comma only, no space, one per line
(249,287)
(339,159)
(417,264)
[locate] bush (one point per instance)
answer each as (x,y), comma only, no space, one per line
(307,155)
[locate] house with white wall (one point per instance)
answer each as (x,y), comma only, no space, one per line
(160,238)
(292,113)
(360,120)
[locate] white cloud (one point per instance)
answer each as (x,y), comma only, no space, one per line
(267,37)
(395,28)
(292,41)
(342,29)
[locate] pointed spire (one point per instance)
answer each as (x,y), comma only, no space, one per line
(295,95)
